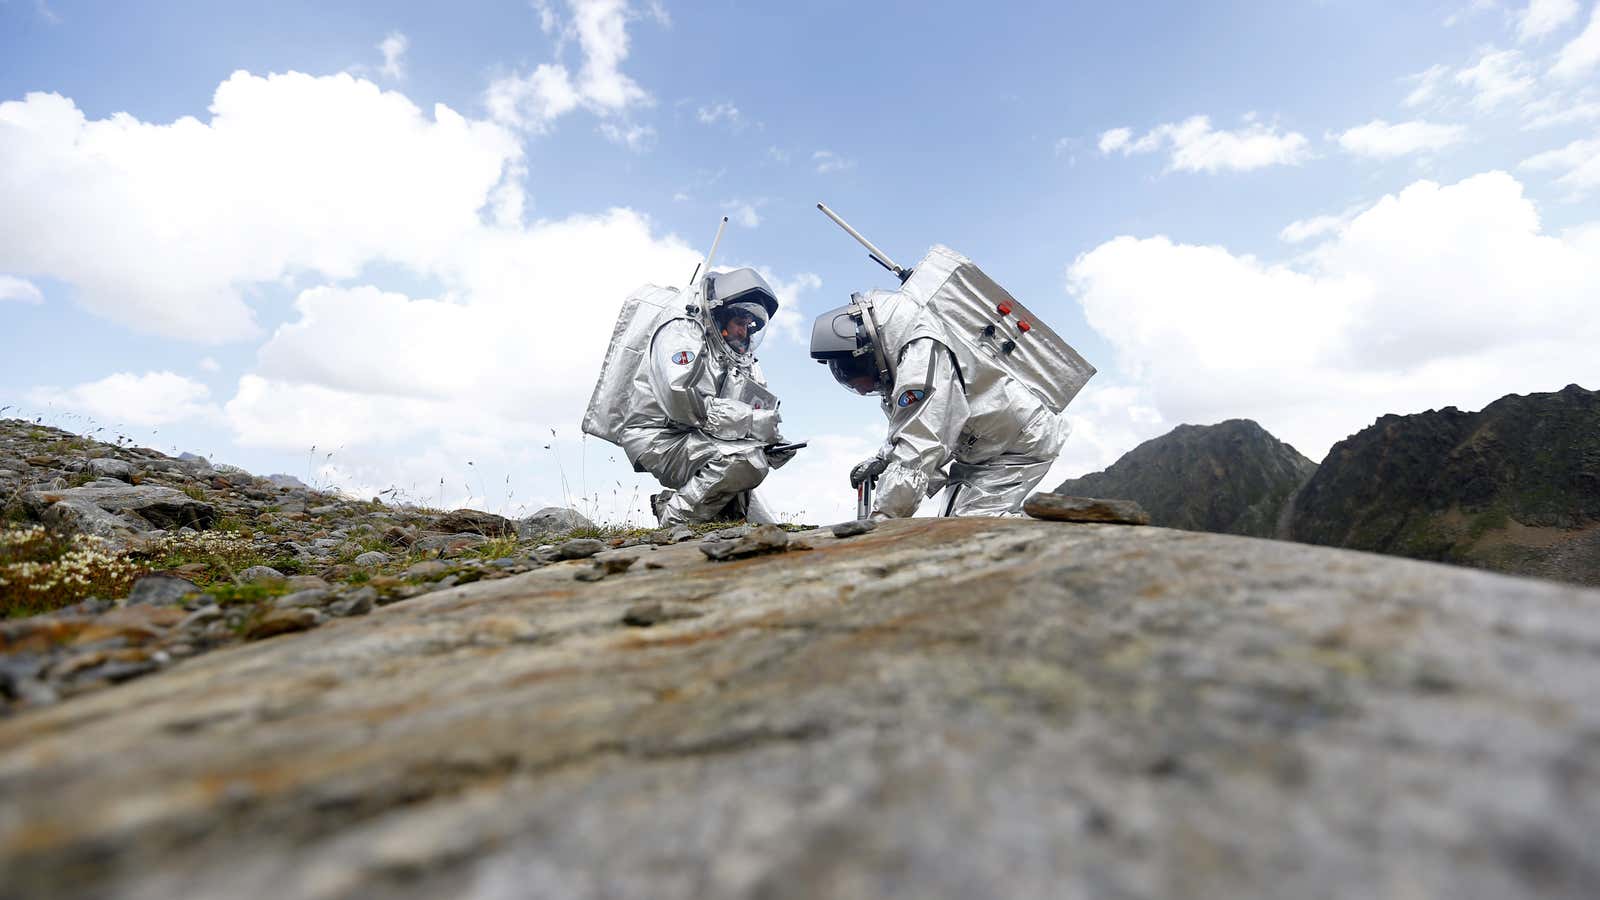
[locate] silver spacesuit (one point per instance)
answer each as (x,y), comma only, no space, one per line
(969,412)
(697,414)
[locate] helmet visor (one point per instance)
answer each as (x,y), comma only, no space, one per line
(742,325)
(858,373)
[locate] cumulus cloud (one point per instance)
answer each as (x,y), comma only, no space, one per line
(1582,53)
(1438,295)
(745,212)
(1194,146)
(1541,17)
(154,398)
(19,289)
(533,101)
(1498,76)
(1115,139)
(1579,163)
(163,227)
(1380,140)
(393,47)
(828,161)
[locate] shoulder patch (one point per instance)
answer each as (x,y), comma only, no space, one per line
(683,357)
(911,397)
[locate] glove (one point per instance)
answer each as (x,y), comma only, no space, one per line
(777,460)
(867,469)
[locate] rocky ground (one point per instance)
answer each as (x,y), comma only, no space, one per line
(935,708)
(153,559)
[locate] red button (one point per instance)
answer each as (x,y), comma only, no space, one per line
(1023,326)
(1003,309)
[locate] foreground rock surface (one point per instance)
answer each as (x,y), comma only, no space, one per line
(940,708)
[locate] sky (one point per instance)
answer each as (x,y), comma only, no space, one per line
(381,247)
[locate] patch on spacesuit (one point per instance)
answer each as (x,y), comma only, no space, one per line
(911,397)
(683,357)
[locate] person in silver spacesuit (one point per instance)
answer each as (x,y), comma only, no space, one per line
(975,431)
(697,414)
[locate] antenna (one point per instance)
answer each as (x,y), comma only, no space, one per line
(877,255)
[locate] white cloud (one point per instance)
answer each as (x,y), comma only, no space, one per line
(744,213)
(1496,77)
(637,138)
(791,322)
(1381,140)
(154,398)
(1579,161)
(1197,147)
(1559,109)
(1303,230)
(1439,295)
(163,227)
(778,155)
(828,161)
(1425,84)
(1115,139)
(1541,17)
(393,47)
(19,289)
(1582,53)
(210,364)
(720,112)
(533,101)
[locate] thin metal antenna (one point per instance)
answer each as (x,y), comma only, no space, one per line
(882,258)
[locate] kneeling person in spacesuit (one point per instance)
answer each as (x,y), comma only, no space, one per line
(700,418)
(978,434)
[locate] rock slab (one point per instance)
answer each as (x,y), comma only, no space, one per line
(941,708)
(1062,508)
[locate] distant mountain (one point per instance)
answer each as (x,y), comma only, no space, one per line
(1233,478)
(1514,488)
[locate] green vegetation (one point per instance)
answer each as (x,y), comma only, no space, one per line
(42,571)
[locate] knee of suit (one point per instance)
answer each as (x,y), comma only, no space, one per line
(743,471)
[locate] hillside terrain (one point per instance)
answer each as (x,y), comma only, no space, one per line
(1230,478)
(1514,487)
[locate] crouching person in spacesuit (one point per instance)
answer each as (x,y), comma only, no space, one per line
(973,430)
(699,417)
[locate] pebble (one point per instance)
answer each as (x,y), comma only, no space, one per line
(358,603)
(854,527)
(758,540)
(649,612)
(428,568)
(613,565)
(161,590)
(260,573)
(579,548)
(1065,508)
(372,558)
(283,621)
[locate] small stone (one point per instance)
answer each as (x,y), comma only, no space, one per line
(854,527)
(680,534)
(283,621)
(652,564)
(552,520)
(475,522)
(372,558)
(428,568)
(310,598)
(107,467)
(201,617)
(307,583)
(358,603)
(504,562)
(260,573)
(612,565)
(727,534)
(579,548)
(758,540)
(650,612)
(1064,508)
(161,590)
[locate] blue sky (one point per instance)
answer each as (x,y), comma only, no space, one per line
(395,231)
